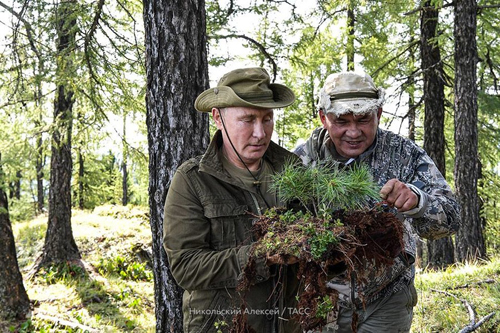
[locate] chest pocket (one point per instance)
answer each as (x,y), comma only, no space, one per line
(229,224)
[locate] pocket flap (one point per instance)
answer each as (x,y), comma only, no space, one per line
(214,210)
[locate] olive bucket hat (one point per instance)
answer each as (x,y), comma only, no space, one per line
(247,87)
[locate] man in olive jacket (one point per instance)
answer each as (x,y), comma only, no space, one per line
(212,202)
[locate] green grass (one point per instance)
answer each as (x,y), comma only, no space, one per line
(117,296)
(444,296)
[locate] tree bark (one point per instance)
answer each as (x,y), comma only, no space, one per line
(440,252)
(81,175)
(412,117)
(15,186)
(60,246)
(124,163)
(40,162)
(177,72)
(124,183)
(40,154)
(412,108)
(469,241)
(14,301)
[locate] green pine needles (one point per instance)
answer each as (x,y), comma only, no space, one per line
(326,186)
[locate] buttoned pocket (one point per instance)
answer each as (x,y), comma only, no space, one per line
(229,223)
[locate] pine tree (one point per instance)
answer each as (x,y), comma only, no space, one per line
(177,72)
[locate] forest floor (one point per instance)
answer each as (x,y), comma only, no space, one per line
(118,296)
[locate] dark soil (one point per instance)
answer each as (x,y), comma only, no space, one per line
(369,235)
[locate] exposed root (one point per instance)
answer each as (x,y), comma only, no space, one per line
(370,235)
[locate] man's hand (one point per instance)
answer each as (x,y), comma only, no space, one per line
(399,195)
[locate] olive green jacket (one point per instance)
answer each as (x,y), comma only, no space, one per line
(207,237)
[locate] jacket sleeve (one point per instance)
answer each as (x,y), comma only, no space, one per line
(308,151)
(186,239)
(439,215)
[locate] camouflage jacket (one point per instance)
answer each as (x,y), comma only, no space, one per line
(437,215)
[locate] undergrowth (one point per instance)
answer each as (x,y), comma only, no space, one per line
(113,294)
(110,302)
(445,297)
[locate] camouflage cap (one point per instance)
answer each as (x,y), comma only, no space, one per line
(347,92)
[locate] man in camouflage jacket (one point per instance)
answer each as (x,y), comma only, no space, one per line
(350,107)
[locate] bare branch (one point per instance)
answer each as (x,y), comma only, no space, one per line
(409,46)
(67,323)
(230,10)
(261,48)
(418,9)
(473,325)
(23,101)
(479,283)
(285,2)
(491,66)
(472,328)
(29,30)
(89,36)
(138,47)
(488,6)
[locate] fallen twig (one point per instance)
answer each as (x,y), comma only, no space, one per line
(473,325)
(67,323)
(472,328)
(478,283)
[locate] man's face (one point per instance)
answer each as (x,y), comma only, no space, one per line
(351,134)
(250,131)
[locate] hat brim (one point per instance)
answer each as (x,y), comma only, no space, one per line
(356,106)
(221,97)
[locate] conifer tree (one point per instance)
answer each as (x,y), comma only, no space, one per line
(470,240)
(177,72)
(14,301)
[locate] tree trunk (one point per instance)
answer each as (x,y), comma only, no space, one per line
(81,175)
(15,187)
(40,162)
(177,72)
(124,183)
(412,116)
(40,155)
(412,108)
(124,163)
(350,36)
(60,246)
(14,301)
(469,241)
(440,252)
